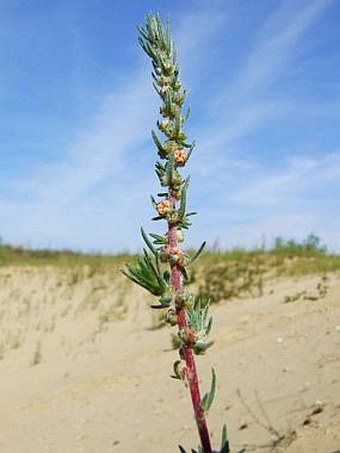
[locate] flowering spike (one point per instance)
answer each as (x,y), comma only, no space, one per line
(162,267)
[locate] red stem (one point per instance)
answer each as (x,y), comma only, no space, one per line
(191,371)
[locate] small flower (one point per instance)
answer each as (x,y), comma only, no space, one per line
(171,317)
(173,254)
(179,370)
(177,256)
(177,193)
(164,125)
(180,157)
(184,299)
(176,178)
(180,236)
(164,207)
(187,336)
(164,89)
(173,217)
(165,253)
(181,136)
(170,146)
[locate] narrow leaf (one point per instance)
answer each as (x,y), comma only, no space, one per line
(169,168)
(147,242)
(184,197)
(191,148)
(157,141)
(208,398)
(185,275)
(199,251)
(225,442)
(159,240)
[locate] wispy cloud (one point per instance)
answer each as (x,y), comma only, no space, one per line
(249,101)
(275,46)
(293,201)
(299,175)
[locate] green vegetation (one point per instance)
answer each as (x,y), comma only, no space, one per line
(15,255)
(241,273)
(246,267)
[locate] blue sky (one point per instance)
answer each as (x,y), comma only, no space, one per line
(77,107)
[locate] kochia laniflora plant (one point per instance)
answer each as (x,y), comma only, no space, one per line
(162,268)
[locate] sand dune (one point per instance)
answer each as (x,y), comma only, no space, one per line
(82,370)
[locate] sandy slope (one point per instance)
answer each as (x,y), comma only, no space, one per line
(82,371)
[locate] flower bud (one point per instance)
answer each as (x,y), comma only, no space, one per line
(170,146)
(181,136)
(177,193)
(176,178)
(172,216)
(180,157)
(179,235)
(177,85)
(179,370)
(164,125)
(171,317)
(164,89)
(164,207)
(165,253)
(184,299)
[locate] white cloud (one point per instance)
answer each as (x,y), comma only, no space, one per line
(275,46)
(303,174)
(248,102)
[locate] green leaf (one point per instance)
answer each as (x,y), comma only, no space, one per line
(147,242)
(153,201)
(147,273)
(169,167)
(191,148)
(182,206)
(155,271)
(178,124)
(168,101)
(208,398)
(225,442)
(185,275)
(159,240)
(197,254)
(209,325)
(158,143)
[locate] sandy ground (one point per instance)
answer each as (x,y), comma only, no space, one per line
(82,370)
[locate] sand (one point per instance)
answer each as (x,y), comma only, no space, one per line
(82,370)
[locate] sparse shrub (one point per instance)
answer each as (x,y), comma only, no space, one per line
(228,279)
(318,293)
(310,246)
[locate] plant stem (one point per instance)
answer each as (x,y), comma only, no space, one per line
(191,371)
